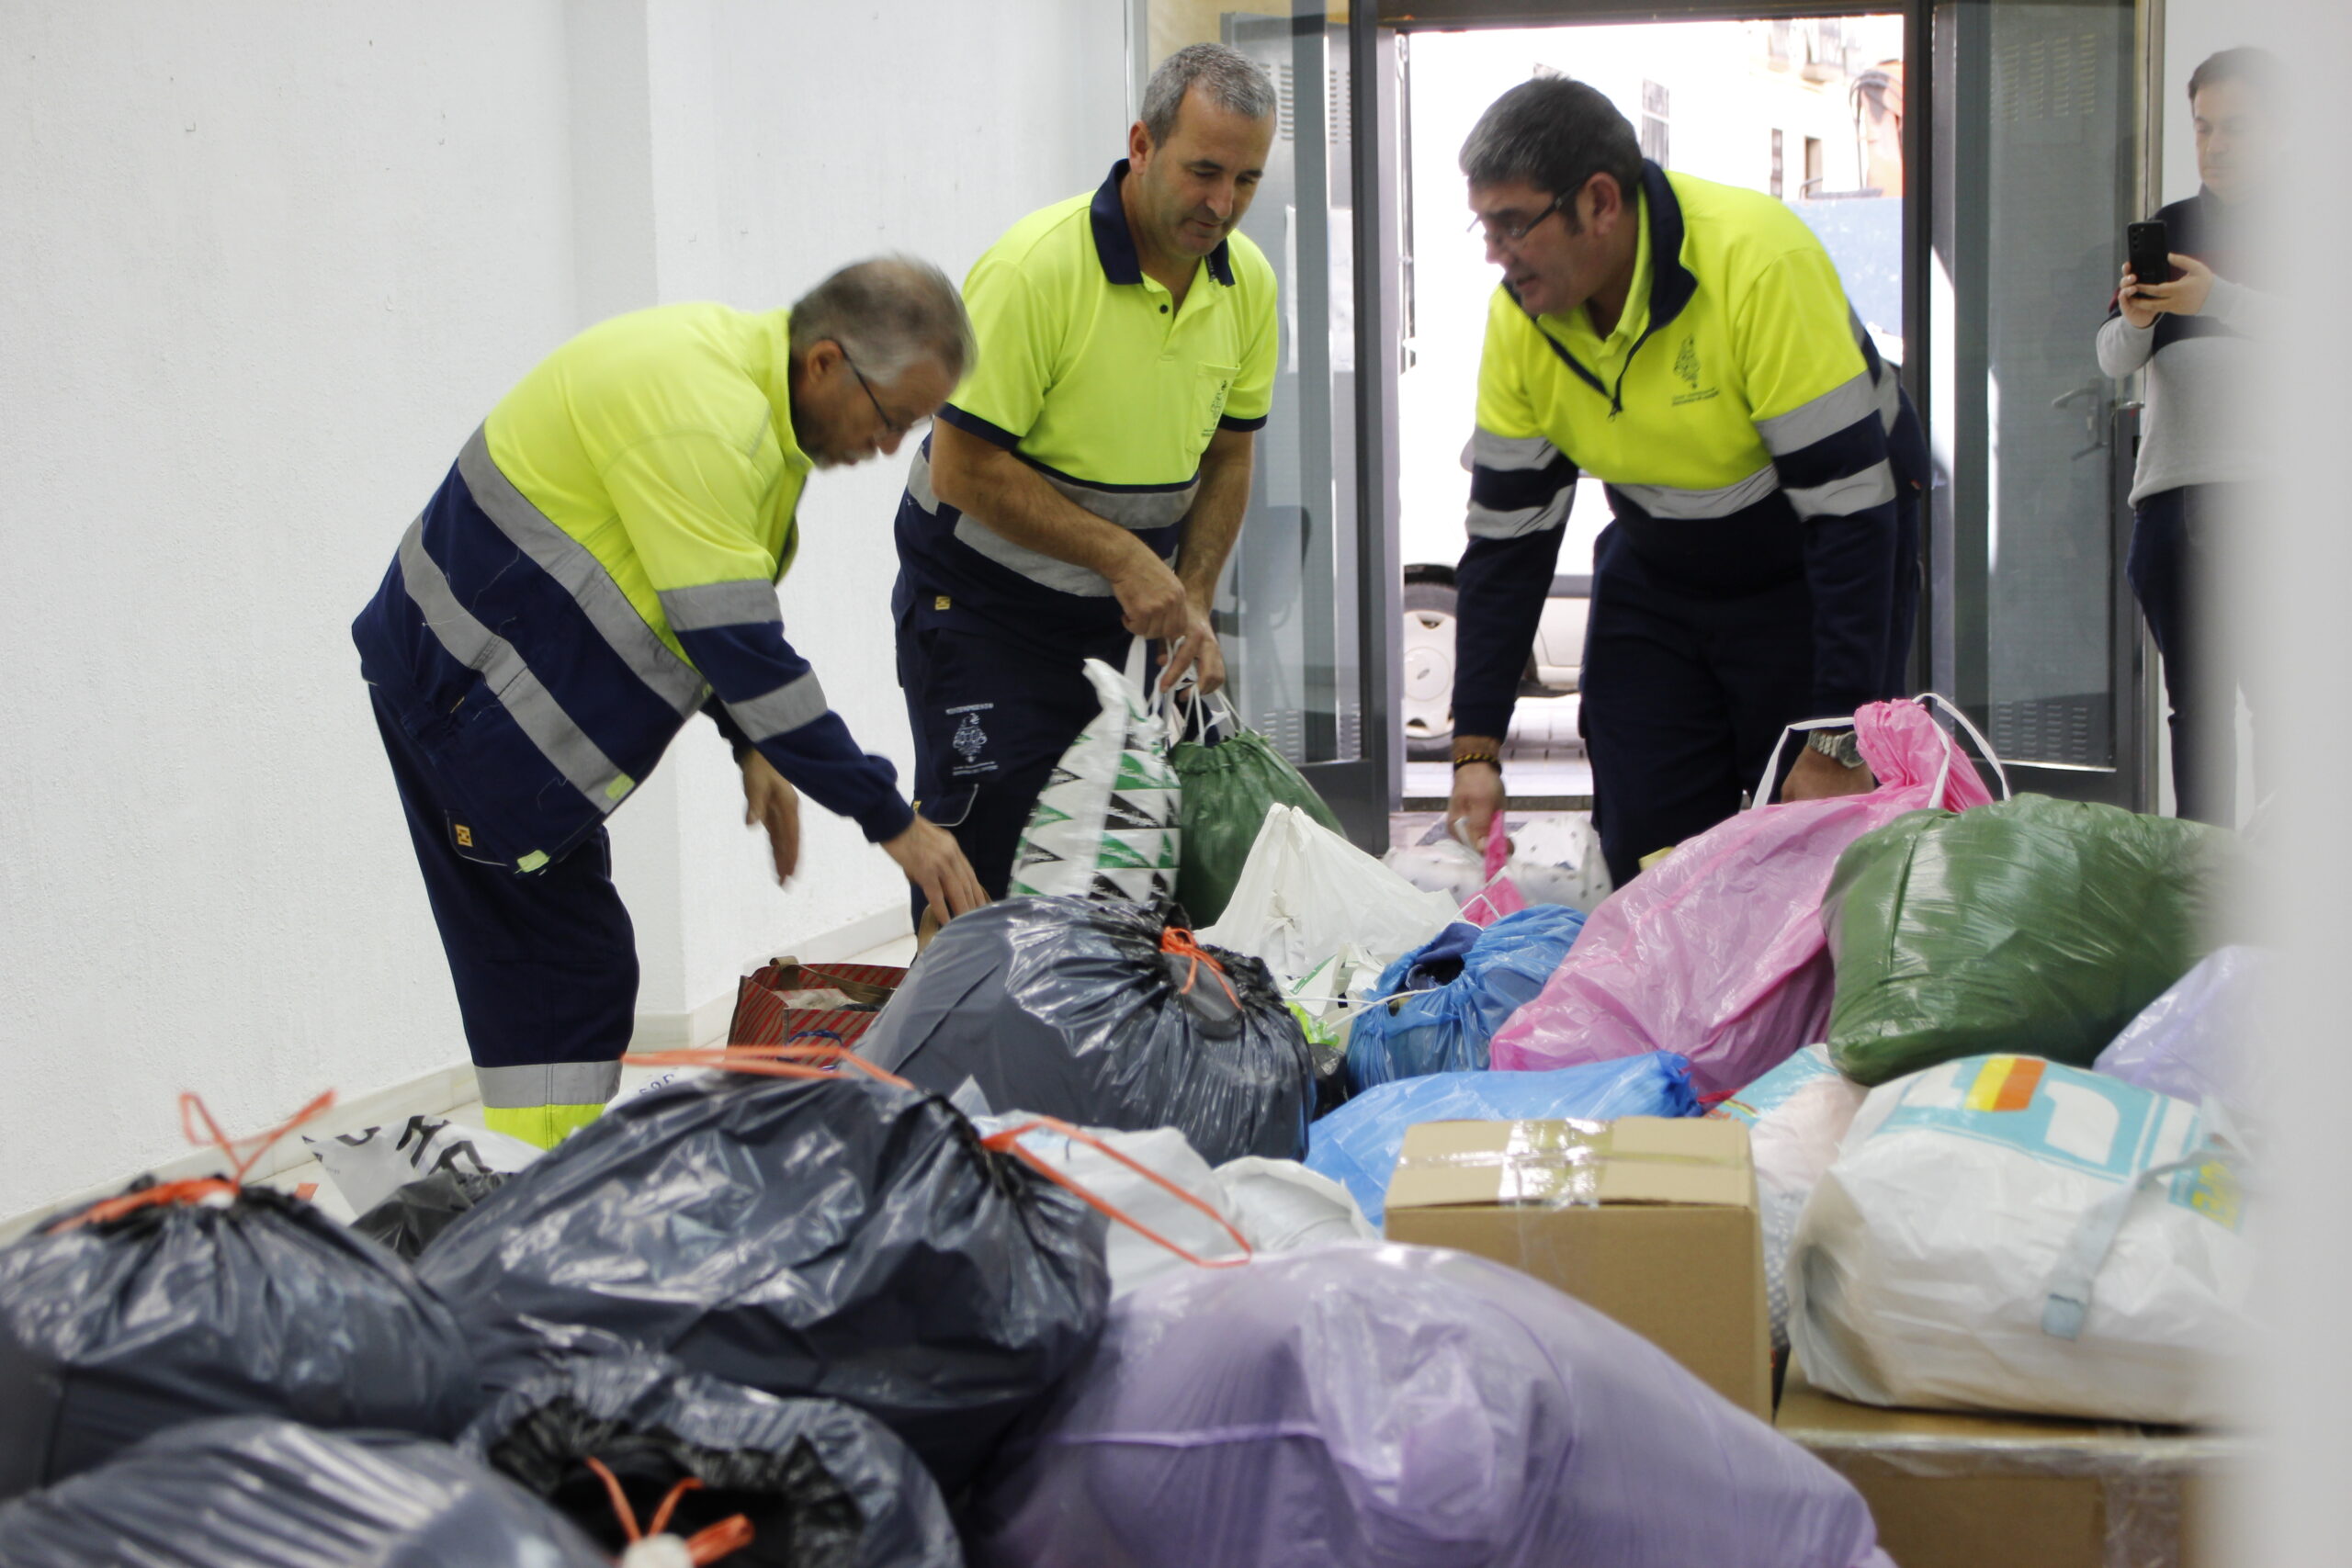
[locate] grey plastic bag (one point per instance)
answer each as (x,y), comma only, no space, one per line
(112,1330)
(831,1236)
(1079,1008)
(822,1485)
(254,1492)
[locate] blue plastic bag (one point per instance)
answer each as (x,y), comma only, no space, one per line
(1357,1145)
(1464,982)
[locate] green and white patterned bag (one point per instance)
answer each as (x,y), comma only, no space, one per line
(1106,824)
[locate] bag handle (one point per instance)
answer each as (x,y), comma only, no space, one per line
(1205,713)
(1944,773)
(199,1188)
(1009,1142)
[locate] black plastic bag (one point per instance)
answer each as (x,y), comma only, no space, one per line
(1075,1008)
(114,1329)
(822,1485)
(254,1492)
(832,1236)
(418,1211)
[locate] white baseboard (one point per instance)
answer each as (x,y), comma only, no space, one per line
(444,1090)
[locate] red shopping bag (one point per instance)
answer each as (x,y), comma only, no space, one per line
(766,1015)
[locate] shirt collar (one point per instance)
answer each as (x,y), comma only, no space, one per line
(775,380)
(1114,244)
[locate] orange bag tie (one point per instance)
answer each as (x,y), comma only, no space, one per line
(200,1188)
(785,1061)
(1009,1142)
(1179,940)
(727,1537)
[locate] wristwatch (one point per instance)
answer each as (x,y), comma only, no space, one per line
(1838,745)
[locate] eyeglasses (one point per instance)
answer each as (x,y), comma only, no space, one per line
(1512,233)
(888,424)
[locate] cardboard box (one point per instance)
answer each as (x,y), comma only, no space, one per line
(1951,1490)
(1649,1219)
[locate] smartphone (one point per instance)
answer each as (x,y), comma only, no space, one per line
(2148,248)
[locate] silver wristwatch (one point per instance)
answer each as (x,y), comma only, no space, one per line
(1838,745)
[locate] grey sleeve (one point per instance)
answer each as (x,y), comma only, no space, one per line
(2123,348)
(2247,311)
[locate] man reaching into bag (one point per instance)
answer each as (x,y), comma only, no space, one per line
(600,563)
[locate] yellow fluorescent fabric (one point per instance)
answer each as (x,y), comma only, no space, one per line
(1767,330)
(1098,379)
(546,1125)
(659,440)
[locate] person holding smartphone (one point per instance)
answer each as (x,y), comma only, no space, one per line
(2195,327)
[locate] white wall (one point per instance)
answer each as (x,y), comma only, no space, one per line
(267,265)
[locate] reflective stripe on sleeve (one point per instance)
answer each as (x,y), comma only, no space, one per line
(1508,454)
(742,602)
(581,575)
(797,701)
(1845,496)
(513,686)
(1486,523)
(1822,417)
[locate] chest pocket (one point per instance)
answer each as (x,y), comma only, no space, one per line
(1213,386)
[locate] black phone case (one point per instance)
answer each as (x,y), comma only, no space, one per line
(2149,249)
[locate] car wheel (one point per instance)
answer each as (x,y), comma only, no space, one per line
(1428,700)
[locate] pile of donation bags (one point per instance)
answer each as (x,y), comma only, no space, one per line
(1040,1277)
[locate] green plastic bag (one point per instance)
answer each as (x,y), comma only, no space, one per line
(1228,789)
(2034,927)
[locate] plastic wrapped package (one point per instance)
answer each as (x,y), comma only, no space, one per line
(1357,1145)
(1104,1015)
(1278,1205)
(1229,784)
(253,1492)
(1556,859)
(1718,953)
(2006,1233)
(245,1301)
(2038,926)
(1795,1115)
(818,1482)
(368,1166)
(1107,825)
(2204,1039)
(1436,1009)
(415,1214)
(834,1237)
(1306,893)
(1366,1403)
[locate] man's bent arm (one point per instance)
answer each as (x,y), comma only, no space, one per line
(1214,521)
(1520,491)
(996,489)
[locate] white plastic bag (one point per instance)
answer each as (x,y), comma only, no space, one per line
(1554,859)
(369,1165)
(1106,824)
(2003,1233)
(1280,1206)
(1306,893)
(1795,1115)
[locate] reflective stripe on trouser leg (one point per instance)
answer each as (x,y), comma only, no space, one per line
(545,964)
(545,1125)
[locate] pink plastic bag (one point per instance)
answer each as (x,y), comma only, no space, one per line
(1718,952)
(1500,896)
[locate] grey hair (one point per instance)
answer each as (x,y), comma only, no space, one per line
(1232,80)
(1555,134)
(888,313)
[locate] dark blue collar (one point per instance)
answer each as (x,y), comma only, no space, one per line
(1671,283)
(1115,246)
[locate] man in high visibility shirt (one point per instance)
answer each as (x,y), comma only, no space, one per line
(601,563)
(1689,343)
(1083,485)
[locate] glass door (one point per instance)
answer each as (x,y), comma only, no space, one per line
(1303,593)
(2034,161)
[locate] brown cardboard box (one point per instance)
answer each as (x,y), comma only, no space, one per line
(1960,1490)
(1651,1220)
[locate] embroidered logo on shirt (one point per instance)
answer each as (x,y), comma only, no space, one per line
(969,738)
(1686,365)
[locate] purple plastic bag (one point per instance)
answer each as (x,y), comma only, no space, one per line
(2203,1039)
(1718,953)
(1363,1405)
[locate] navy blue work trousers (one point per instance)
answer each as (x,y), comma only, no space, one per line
(991,717)
(2178,540)
(544,961)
